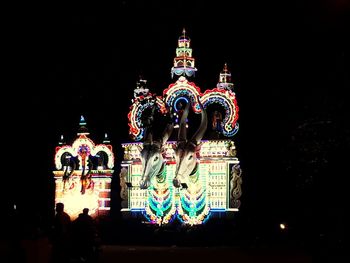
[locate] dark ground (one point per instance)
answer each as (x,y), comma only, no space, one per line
(171,247)
(218,239)
(212,254)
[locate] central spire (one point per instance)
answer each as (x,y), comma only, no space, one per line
(83,130)
(183,62)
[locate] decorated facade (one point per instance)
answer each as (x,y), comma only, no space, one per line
(182,163)
(83,174)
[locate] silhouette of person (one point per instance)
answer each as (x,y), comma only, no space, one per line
(217,121)
(84,234)
(61,234)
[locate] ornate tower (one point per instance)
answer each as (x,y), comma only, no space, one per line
(183,62)
(83,174)
(225,79)
(141,88)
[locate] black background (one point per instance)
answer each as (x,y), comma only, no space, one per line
(289,62)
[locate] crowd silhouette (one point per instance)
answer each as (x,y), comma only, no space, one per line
(69,240)
(74,241)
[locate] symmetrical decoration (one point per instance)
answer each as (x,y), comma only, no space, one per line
(186,178)
(83,174)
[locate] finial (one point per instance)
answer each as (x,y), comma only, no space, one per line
(61,141)
(106,139)
(225,79)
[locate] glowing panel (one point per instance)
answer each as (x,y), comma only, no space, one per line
(218,185)
(96,196)
(137,196)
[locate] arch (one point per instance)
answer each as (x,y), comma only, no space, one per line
(228,101)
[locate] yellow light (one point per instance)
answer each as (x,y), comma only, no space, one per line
(74,202)
(283,226)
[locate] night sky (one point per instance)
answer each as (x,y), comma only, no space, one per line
(288,61)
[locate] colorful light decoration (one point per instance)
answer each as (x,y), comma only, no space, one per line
(74,202)
(137,109)
(193,206)
(227,100)
(79,182)
(182,88)
(188,91)
(160,205)
(215,187)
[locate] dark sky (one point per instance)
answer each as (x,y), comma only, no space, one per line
(288,62)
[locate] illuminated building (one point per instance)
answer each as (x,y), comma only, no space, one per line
(83,174)
(186,179)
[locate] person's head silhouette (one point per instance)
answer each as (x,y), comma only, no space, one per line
(59,207)
(86,211)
